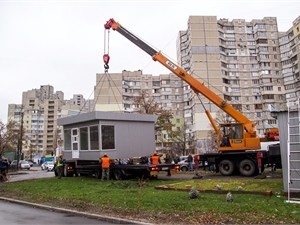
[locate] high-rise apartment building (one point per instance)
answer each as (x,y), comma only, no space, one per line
(76,105)
(38,113)
(238,60)
(289,47)
(117,92)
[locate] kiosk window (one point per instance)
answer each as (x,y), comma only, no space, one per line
(67,139)
(83,138)
(94,138)
(108,137)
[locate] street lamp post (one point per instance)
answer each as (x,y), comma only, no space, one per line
(19,152)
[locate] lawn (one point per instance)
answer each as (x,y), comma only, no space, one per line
(140,200)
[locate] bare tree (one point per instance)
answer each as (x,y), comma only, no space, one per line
(147,105)
(181,140)
(9,136)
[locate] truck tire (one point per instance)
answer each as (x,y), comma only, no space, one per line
(184,168)
(247,168)
(65,172)
(226,167)
(98,173)
(118,174)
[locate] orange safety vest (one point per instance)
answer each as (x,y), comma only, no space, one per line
(105,162)
(155,159)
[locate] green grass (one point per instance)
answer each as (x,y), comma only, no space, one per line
(254,185)
(140,200)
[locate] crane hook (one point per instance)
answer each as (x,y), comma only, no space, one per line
(106,61)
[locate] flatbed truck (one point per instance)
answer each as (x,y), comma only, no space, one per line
(118,171)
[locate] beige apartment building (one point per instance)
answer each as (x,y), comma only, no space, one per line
(38,113)
(117,91)
(289,47)
(240,61)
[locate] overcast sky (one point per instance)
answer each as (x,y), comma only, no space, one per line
(61,43)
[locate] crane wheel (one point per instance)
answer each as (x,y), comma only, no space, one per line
(226,167)
(247,168)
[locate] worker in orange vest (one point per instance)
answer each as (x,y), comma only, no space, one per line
(105,163)
(155,159)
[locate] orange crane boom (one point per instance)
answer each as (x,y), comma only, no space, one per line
(247,138)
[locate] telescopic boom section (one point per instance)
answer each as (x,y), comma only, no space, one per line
(197,86)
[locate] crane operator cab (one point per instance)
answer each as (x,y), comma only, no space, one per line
(231,135)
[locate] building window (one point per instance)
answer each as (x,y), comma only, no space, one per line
(108,137)
(165,82)
(155,83)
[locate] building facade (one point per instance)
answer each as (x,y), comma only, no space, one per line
(240,61)
(117,92)
(38,115)
(289,47)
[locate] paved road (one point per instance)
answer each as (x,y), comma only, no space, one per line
(35,172)
(18,214)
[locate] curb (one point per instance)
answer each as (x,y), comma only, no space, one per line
(75,212)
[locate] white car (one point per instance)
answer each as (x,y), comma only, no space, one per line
(24,164)
(49,166)
(184,165)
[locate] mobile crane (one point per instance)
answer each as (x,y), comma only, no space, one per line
(239,146)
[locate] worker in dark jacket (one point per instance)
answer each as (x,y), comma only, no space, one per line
(60,166)
(176,159)
(3,169)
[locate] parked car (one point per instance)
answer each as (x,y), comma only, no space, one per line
(24,164)
(184,165)
(30,163)
(48,165)
(13,164)
(183,157)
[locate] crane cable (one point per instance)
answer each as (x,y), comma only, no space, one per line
(106,56)
(107,77)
